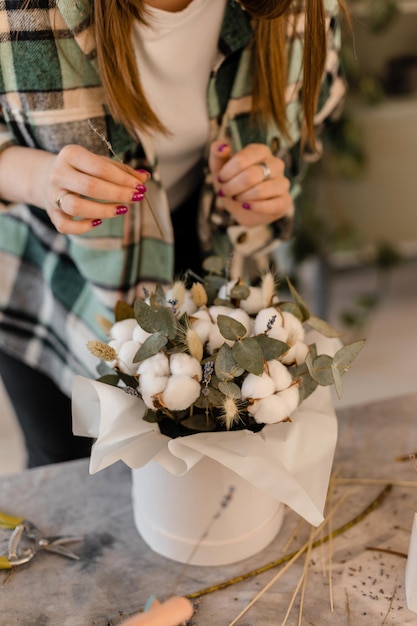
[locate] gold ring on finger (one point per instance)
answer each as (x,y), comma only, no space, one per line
(59,199)
(265,170)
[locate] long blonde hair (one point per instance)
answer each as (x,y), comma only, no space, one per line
(113,21)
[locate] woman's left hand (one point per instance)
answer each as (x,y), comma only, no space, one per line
(250,184)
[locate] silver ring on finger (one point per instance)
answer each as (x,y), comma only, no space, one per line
(265,170)
(58,201)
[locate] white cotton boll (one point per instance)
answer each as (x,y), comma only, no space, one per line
(183,297)
(279,374)
(270,410)
(116,344)
(257,386)
(294,328)
(126,354)
(253,302)
(270,316)
(123,330)
(180,392)
(224,291)
(156,365)
(215,339)
(185,364)
(139,334)
(150,384)
(201,323)
(296,354)
(291,395)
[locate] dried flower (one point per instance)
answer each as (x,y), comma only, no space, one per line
(102,350)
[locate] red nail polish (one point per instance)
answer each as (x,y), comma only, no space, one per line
(95,223)
(137,196)
(219,180)
(147,174)
(121,210)
(220,193)
(222,147)
(140,188)
(246,206)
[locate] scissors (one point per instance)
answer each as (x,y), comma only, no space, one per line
(27,540)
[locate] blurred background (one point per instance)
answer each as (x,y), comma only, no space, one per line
(355,257)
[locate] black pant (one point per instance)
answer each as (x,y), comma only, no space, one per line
(44,415)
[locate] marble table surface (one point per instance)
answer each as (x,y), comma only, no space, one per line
(355,578)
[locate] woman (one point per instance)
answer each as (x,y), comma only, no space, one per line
(119,119)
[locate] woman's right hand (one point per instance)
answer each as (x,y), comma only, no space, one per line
(82,188)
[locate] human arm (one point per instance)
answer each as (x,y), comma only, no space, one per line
(94,186)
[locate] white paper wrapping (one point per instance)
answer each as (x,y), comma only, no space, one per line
(290,461)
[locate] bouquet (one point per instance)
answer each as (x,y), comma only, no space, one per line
(212,354)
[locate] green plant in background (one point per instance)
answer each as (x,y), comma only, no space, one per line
(320,233)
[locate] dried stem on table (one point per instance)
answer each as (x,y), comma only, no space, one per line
(299,552)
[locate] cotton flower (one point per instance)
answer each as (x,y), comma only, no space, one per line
(182,298)
(270,410)
(294,328)
(270,319)
(296,354)
(291,395)
(279,374)
(125,356)
(155,365)
(150,386)
(139,334)
(201,323)
(123,330)
(180,393)
(182,364)
(255,386)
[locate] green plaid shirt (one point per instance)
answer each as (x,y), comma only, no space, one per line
(53,287)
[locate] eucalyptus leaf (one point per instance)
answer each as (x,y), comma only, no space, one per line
(152,345)
(158,298)
(337,379)
(104,369)
(168,324)
(224,363)
(128,380)
(109,379)
(214,265)
(307,384)
(146,317)
(322,370)
(271,348)
(345,355)
(231,390)
(293,308)
(322,327)
(299,300)
(200,422)
(230,328)
(248,354)
(240,292)
(151,416)
(123,311)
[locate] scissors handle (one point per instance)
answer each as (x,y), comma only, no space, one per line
(5,563)
(9,521)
